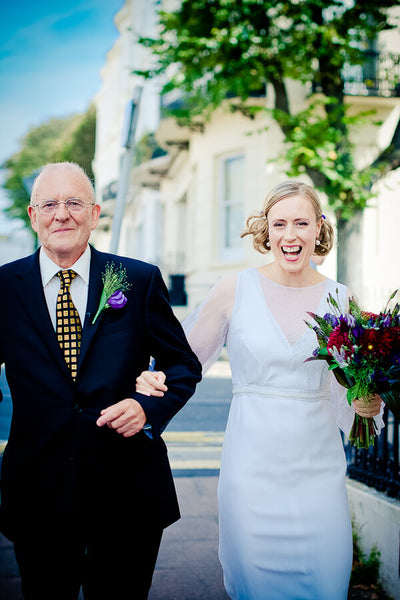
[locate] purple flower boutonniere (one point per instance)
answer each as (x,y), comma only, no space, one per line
(114,286)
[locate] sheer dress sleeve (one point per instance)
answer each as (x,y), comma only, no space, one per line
(206,328)
(343,412)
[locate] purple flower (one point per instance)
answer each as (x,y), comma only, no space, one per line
(331,319)
(350,320)
(357,331)
(117,300)
(395,359)
(387,321)
(114,284)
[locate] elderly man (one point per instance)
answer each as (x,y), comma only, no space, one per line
(86,485)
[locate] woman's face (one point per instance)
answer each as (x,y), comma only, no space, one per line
(293,229)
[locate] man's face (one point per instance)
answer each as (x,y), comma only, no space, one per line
(63,235)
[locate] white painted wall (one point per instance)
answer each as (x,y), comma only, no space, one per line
(380,245)
(376,519)
(136,17)
(141,233)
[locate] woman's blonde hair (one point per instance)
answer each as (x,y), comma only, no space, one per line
(258,226)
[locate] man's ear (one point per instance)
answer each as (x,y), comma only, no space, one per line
(33,217)
(96,210)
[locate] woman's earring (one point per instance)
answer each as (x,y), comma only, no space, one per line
(317,242)
(268,245)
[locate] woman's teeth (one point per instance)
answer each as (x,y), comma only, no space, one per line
(292,250)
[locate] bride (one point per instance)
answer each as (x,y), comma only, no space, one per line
(284,522)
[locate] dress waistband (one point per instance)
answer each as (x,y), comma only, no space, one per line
(307,396)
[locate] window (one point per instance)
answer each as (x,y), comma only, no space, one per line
(231,206)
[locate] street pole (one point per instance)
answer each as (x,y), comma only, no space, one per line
(128,143)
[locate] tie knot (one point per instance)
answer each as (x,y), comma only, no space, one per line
(66,277)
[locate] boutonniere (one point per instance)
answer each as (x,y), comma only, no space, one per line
(114,284)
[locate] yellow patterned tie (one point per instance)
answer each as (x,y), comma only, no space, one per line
(69,328)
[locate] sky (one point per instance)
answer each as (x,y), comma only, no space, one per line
(51,55)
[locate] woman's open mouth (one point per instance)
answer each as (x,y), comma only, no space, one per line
(291,252)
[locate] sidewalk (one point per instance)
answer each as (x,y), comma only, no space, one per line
(187,566)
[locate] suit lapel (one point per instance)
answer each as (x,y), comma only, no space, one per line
(97,264)
(30,291)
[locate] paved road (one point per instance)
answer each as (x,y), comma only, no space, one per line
(187,566)
(194,437)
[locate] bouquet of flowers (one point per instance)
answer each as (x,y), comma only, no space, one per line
(363,351)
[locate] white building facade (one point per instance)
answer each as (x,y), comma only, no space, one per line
(185,210)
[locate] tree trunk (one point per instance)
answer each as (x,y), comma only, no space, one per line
(349,253)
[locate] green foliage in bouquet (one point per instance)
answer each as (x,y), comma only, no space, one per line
(363,351)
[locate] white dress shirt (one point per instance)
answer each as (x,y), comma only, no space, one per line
(79,285)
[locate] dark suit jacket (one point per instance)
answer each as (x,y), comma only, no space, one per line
(58,461)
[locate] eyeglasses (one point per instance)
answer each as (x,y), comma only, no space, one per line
(73,205)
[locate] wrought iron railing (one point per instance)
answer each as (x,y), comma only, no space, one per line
(378,467)
(378,75)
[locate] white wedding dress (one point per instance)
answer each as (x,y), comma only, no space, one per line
(285,530)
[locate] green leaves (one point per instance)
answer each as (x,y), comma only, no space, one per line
(317,141)
(71,139)
(216,50)
(355,310)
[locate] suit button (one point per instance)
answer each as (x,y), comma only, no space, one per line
(78,408)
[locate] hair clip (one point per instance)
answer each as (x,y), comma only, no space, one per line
(323,216)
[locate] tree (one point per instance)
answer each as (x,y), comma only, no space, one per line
(224,51)
(71,139)
(81,147)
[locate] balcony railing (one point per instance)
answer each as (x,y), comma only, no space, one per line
(379,75)
(378,467)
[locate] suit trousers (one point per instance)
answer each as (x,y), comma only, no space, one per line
(114,559)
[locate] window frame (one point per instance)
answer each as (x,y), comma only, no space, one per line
(226,252)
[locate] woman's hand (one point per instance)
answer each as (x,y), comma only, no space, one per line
(151,383)
(370,410)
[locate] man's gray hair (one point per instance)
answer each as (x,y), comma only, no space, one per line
(69,165)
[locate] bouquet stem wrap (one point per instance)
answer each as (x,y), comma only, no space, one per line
(368,406)
(363,431)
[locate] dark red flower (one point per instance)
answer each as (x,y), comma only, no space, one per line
(337,339)
(380,342)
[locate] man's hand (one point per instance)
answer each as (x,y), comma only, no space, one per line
(126,417)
